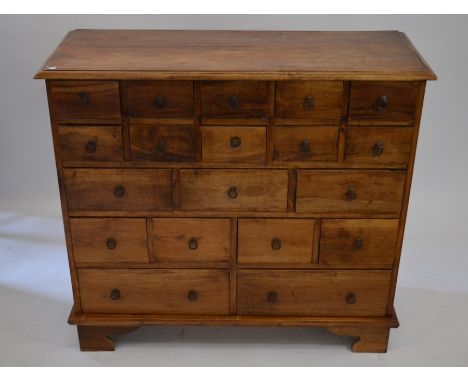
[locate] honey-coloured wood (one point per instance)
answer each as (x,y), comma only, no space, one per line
(369,339)
(98,338)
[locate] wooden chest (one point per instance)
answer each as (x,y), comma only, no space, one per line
(235,178)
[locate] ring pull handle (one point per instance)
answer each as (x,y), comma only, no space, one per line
(85,98)
(233,102)
(159,101)
(111,243)
(90,147)
(378,149)
(272,297)
(350,298)
(276,244)
(382,102)
(193,244)
(235,142)
(115,294)
(119,191)
(351,194)
(192,295)
(358,244)
(304,147)
(309,102)
(233,193)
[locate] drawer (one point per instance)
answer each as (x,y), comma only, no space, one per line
(154,291)
(162,143)
(192,240)
(385,102)
(109,240)
(159,99)
(305,143)
(226,100)
(275,241)
(316,102)
(233,144)
(118,189)
(91,143)
(233,190)
(83,100)
(312,293)
(379,145)
(358,242)
(359,192)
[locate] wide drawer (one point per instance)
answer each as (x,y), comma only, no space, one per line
(359,192)
(312,293)
(233,190)
(83,100)
(109,240)
(91,143)
(118,189)
(357,242)
(280,241)
(190,240)
(154,291)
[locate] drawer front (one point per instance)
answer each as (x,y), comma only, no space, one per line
(314,101)
(109,240)
(162,143)
(385,102)
(118,189)
(159,99)
(81,100)
(233,190)
(361,192)
(234,99)
(304,144)
(312,293)
(192,240)
(379,145)
(154,291)
(91,143)
(233,144)
(358,242)
(279,241)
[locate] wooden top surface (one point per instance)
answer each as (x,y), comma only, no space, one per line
(176,54)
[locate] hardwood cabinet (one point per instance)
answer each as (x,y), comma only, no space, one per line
(235,178)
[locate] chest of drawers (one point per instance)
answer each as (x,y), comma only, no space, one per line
(234,178)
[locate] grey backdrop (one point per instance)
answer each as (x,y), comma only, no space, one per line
(435,257)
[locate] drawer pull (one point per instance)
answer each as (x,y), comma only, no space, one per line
(272,297)
(161,146)
(233,102)
(351,298)
(115,294)
(84,97)
(304,147)
(159,101)
(90,147)
(111,243)
(351,194)
(235,142)
(309,102)
(119,191)
(377,149)
(382,103)
(192,295)
(232,192)
(358,244)
(276,244)
(193,243)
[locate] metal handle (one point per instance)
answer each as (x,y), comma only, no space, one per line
(235,142)
(90,147)
(161,145)
(351,194)
(382,103)
(233,102)
(192,295)
(232,192)
(309,102)
(159,101)
(276,244)
(111,243)
(358,244)
(119,191)
(304,147)
(377,149)
(350,298)
(193,243)
(115,294)
(85,99)
(272,297)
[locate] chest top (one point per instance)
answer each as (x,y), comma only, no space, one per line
(203,55)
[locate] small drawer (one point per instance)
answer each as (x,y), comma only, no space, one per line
(233,144)
(230,100)
(362,242)
(359,192)
(181,240)
(379,145)
(233,190)
(109,240)
(305,143)
(159,99)
(392,103)
(91,143)
(312,293)
(275,241)
(118,189)
(316,102)
(85,100)
(154,291)
(162,143)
